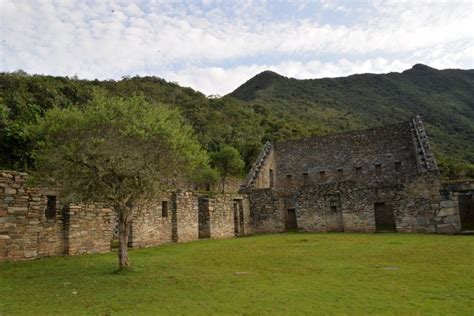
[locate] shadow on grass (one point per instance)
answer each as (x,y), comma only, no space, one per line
(125,271)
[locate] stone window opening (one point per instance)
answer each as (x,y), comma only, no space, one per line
(288,178)
(322,175)
(164,209)
(398,165)
(270,174)
(50,211)
(340,173)
(358,171)
(305,178)
(378,169)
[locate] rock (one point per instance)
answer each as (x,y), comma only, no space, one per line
(10,191)
(446,211)
(30,253)
(241,273)
(446,204)
(446,229)
(17,210)
(453,219)
(8,199)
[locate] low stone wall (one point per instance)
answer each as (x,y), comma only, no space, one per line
(417,206)
(448,218)
(185,217)
(224,216)
(152,223)
(34,224)
(421,205)
(265,211)
(221,210)
(25,232)
(88,229)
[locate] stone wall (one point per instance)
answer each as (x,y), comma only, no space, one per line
(377,179)
(384,154)
(88,228)
(266,211)
(263,172)
(448,217)
(422,205)
(232,185)
(34,224)
(152,222)
(25,232)
(222,210)
(185,217)
(223,216)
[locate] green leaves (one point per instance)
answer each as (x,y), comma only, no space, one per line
(114,148)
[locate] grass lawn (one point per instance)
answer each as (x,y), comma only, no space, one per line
(267,274)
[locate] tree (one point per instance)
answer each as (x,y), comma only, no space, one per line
(120,151)
(206,176)
(228,162)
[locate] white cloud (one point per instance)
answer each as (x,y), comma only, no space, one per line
(183,40)
(217,80)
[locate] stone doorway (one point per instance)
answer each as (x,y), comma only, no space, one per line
(466,211)
(238,217)
(384,220)
(291,223)
(204,225)
(334,221)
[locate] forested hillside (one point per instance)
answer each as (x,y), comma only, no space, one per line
(444,98)
(23,98)
(267,107)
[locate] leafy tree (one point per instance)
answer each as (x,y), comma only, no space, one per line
(206,176)
(228,162)
(120,151)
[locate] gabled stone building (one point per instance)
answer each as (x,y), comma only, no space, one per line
(378,179)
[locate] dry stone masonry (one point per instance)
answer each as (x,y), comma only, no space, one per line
(34,224)
(379,179)
(374,180)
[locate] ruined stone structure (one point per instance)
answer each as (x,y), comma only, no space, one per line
(34,224)
(379,179)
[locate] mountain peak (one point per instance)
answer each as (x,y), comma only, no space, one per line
(268,73)
(421,67)
(260,81)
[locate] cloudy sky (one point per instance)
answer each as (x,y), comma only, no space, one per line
(214,46)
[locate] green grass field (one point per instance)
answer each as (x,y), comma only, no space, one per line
(279,274)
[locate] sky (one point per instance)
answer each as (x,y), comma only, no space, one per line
(216,45)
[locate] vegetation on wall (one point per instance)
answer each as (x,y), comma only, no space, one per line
(267,107)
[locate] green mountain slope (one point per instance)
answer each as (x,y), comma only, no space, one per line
(445,99)
(24,98)
(267,107)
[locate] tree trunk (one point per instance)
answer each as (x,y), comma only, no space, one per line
(123,232)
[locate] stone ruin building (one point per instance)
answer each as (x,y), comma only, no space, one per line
(375,180)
